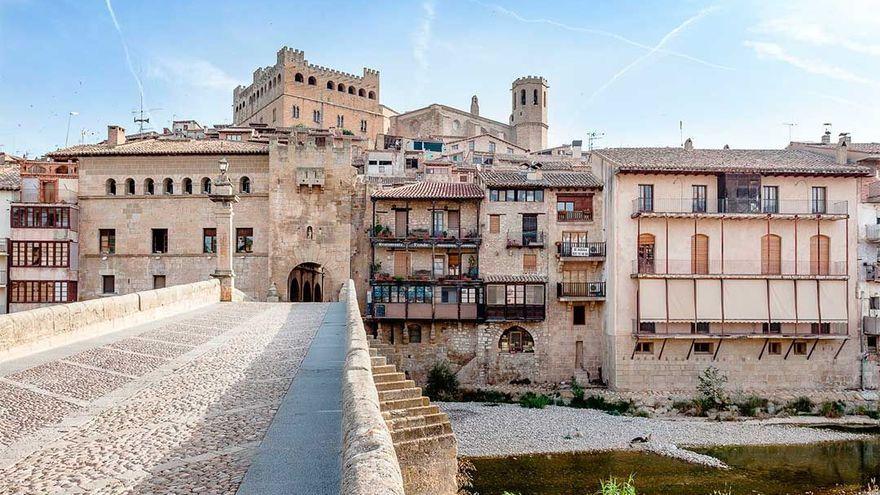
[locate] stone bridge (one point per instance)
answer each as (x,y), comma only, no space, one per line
(172,391)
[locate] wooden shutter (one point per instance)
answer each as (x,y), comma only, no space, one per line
(819,247)
(494,224)
(530,263)
(700,254)
(400,217)
(771,255)
(401,264)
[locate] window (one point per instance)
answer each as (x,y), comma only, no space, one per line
(168,186)
(874,302)
(774,348)
(647,327)
(491,147)
(149,187)
(771,327)
(330,85)
(274,115)
(820,328)
(371,95)
(494,224)
(770,199)
(244,240)
(644,348)
(703,347)
(41,217)
(439,265)
(522,97)
(818,200)
(872,343)
(646,253)
(209,240)
(160,240)
(535,97)
(471,145)
(340,88)
(448,295)
(800,348)
(111,187)
(646,197)
(295,111)
(107,241)
(206,185)
(412,163)
(316,116)
(819,247)
(51,254)
(30,291)
(363,125)
(579,315)
(519,195)
(158,281)
(108,284)
(699,199)
(530,263)
(437,224)
(771,255)
(534,294)
(362,93)
(310,232)
(298,77)
(187,186)
(700,254)
(469,295)
(129,186)
(312,81)
(340,121)
(244,185)
(415,334)
(49,191)
(700,327)
(516,339)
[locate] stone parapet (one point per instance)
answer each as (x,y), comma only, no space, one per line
(38,329)
(369,461)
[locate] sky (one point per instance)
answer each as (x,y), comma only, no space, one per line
(637,73)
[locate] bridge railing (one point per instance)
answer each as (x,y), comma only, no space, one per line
(369,461)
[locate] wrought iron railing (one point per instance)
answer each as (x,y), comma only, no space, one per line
(581,249)
(534,238)
(740,206)
(580,289)
(736,267)
(574,216)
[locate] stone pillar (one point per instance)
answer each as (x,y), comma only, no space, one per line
(223,197)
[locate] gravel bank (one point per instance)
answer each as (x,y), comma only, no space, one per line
(509,429)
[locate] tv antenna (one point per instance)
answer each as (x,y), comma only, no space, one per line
(592,137)
(790,125)
(141,116)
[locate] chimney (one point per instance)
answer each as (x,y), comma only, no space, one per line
(826,137)
(844,138)
(842,146)
(576,148)
(115,135)
(688,144)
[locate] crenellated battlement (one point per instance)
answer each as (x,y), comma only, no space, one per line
(530,80)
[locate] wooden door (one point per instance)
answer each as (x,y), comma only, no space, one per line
(819,256)
(646,253)
(700,254)
(401,264)
(400,218)
(453,219)
(771,255)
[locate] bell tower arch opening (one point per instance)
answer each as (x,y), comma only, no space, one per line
(306,283)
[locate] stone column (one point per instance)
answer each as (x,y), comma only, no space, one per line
(224,197)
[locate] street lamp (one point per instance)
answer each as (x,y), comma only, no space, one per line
(69,116)
(223,196)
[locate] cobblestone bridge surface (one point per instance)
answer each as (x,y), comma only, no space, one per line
(176,406)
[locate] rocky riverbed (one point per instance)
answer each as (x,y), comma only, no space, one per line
(508,429)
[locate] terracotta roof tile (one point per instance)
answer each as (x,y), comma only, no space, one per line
(786,161)
(10,178)
(432,190)
(572,178)
(173,146)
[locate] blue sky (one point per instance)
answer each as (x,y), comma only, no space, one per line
(732,71)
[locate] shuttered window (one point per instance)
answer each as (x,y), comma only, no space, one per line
(771,255)
(401,264)
(819,247)
(530,263)
(494,224)
(700,254)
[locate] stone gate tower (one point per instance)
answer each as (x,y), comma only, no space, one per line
(529,112)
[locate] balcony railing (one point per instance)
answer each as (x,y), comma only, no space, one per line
(737,267)
(4,244)
(525,239)
(581,249)
(871,322)
(580,289)
(739,206)
(734,329)
(574,216)
(423,232)
(518,312)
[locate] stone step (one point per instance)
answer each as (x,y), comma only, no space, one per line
(412,421)
(419,432)
(411,412)
(388,377)
(405,393)
(390,405)
(378,361)
(381,387)
(438,442)
(385,368)
(374,352)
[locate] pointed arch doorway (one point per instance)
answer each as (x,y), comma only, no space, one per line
(306,283)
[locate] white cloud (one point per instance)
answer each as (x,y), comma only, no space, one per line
(848,24)
(197,73)
(773,51)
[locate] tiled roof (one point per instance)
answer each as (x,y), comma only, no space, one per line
(169,146)
(432,190)
(786,161)
(516,278)
(572,178)
(10,178)
(857,147)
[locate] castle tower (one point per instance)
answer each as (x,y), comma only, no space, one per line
(529,112)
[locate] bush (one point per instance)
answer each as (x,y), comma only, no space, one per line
(711,387)
(480,395)
(442,383)
(530,400)
(615,408)
(752,405)
(577,392)
(833,409)
(802,405)
(613,486)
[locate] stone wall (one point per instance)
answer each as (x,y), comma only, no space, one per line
(38,329)
(369,461)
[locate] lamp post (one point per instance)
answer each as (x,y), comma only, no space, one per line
(223,197)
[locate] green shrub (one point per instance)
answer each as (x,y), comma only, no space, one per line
(616,407)
(711,387)
(801,404)
(531,400)
(577,393)
(442,383)
(873,413)
(613,486)
(832,409)
(480,395)
(752,405)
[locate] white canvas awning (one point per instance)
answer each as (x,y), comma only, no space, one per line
(652,300)
(708,300)
(807,300)
(745,300)
(681,300)
(832,297)
(783,306)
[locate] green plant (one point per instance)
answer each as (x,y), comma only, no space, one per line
(346,132)
(613,407)
(752,405)
(577,393)
(711,386)
(442,383)
(613,486)
(832,409)
(530,400)
(802,405)
(480,395)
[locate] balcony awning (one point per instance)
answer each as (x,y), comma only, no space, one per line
(516,279)
(745,300)
(652,300)
(708,300)
(807,300)
(832,297)
(783,306)
(681,300)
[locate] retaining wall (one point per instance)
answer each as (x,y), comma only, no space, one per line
(369,462)
(37,329)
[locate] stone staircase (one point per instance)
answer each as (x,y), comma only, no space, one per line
(421,433)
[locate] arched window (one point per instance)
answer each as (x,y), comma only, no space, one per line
(129,186)
(371,95)
(522,97)
(415,334)
(340,88)
(819,255)
(111,187)
(330,85)
(516,339)
(187,186)
(244,185)
(149,187)
(646,253)
(771,254)
(61,170)
(206,185)
(535,97)
(168,186)
(351,90)
(298,77)
(545,98)
(310,233)
(312,81)
(700,254)
(362,93)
